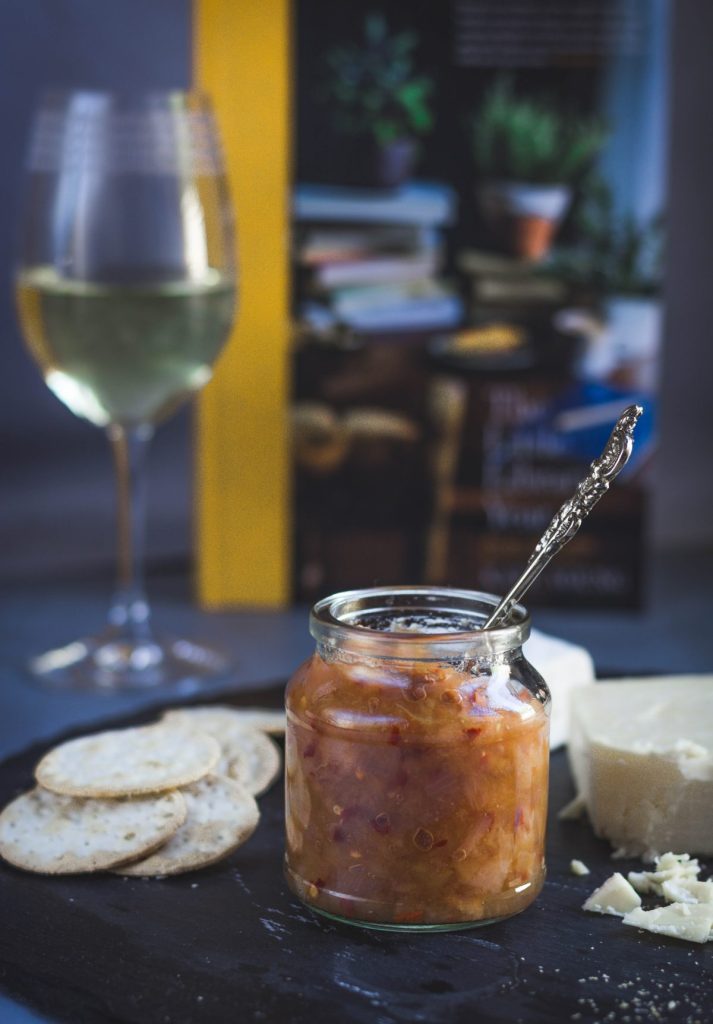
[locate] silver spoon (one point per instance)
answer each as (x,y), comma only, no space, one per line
(575,510)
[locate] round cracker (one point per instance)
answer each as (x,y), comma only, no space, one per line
(249,756)
(233,765)
(223,726)
(222,718)
(128,762)
(58,835)
(259,763)
(222,815)
(268,720)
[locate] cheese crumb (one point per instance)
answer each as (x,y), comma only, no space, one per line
(688,891)
(615,896)
(688,914)
(692,922)
(669,867)
(578,867)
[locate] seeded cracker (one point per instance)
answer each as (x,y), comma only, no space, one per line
(262,762)
(222,815)
(251,757)
(51,834)
(267,720)
(233,764)
(128,762)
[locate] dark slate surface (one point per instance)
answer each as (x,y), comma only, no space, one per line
(231,944)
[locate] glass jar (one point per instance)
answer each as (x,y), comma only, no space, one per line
(417,757)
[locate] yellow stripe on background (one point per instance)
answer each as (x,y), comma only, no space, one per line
(242,62)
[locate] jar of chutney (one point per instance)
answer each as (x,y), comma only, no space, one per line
(417,756)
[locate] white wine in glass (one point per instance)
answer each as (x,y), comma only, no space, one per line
(126,295)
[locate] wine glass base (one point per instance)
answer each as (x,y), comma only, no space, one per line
(112,663)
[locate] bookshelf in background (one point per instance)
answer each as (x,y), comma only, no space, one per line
(369,294)
(372,260)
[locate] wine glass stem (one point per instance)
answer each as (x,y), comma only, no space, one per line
(129,613)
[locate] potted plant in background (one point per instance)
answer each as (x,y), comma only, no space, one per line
(379,102)
(624,259)
(617,262)
(529,156)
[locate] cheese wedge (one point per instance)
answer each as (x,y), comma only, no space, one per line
(565,667)
(641,752)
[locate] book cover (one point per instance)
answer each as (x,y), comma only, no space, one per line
(413,203)
(474,195)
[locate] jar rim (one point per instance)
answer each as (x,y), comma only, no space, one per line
(335,620)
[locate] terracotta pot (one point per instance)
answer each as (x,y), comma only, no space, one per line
(531,236)
(524,218)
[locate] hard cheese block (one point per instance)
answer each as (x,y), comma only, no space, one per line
(564,667)
(641,752)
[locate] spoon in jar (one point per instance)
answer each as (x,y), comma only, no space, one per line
(575,510)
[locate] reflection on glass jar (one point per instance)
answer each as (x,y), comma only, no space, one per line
(417,762)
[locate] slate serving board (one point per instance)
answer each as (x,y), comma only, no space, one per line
(231,944)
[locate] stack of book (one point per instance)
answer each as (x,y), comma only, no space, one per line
(372,260)
(497,282)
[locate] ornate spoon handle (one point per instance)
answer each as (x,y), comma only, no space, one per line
(575,510)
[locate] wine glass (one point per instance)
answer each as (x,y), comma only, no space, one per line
(126,295)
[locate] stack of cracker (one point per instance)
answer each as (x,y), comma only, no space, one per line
(150,801)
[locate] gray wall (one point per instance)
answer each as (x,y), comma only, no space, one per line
(684,486)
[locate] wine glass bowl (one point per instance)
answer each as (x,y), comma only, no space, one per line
(126,294)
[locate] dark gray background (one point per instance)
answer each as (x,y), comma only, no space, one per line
(684,494)
(57,493)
